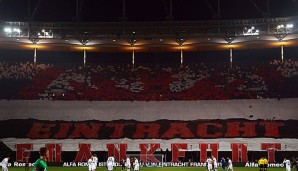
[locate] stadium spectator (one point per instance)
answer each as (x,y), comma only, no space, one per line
(147,83)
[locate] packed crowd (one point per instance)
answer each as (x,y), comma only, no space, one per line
(277,79)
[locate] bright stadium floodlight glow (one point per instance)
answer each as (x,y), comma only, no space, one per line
(250,31)
(16,30)
(289,26)
(280,26)
(12,31)
(7,30)
(45,34)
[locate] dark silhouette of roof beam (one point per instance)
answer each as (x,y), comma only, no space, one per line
(215,15)
(35,9)
(79,7)
(264,13)
(169,9)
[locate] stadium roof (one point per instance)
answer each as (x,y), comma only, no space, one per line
(147,24)
(143,10)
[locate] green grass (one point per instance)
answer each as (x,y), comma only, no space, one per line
(144,169)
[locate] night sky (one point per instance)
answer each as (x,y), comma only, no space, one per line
(144,10)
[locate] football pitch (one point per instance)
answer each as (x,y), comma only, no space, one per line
(144,169)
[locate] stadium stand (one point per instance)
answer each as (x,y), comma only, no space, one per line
(148,83)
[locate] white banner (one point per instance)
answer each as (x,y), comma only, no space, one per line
(283,109)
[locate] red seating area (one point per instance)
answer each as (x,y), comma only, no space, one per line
(277,79)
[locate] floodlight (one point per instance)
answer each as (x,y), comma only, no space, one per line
(16,30)
(7,30)
(250,31)
(280,26)
(289,26)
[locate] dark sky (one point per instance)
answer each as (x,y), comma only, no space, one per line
(144,10)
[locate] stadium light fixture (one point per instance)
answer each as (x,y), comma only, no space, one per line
(280,26)
(12,31)
(250,31)
(229,40)
(285,28)
(289,26)
(45,34)
(7,30)
(16,30)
